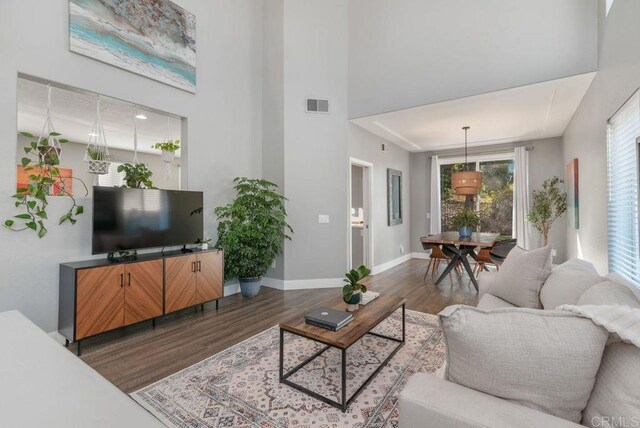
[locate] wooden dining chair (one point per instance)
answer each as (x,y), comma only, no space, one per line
(438,255)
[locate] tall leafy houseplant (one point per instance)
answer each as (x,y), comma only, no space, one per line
(251,231)
(136,176)
(41,163)
(547,205)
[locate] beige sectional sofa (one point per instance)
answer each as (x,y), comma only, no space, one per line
(429,401)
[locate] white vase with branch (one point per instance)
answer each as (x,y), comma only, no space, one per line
(547,205)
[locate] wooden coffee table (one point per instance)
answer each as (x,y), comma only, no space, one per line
(365,319)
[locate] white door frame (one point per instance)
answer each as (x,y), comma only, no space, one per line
(368,209)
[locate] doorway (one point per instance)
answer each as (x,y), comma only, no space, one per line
(360,231)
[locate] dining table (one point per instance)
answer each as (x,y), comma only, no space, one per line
(461,247)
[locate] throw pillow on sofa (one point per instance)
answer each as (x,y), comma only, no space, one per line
(521,276)
(546,360)
(568,282)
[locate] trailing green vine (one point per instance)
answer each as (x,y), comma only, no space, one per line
(41,162)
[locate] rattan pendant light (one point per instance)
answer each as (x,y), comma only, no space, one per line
(466,183)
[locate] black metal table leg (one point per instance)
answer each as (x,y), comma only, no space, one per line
(467,267)
(78,350)
(66,343)
(281,355)
(403,321)
(216,304)
(344,380)
(452,264)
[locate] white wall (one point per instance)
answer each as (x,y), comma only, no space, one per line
(388,240)
(316,166)
(224,125)
(585,138)
(405,53)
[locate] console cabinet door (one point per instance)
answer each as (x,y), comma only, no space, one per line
(209,276)
(100,300)
(180,282)
(143,291)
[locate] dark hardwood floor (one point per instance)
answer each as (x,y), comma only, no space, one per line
(136,356)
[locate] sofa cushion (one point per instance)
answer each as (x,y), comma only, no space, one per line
(426,401)
(616,277)
(489,301)
(567,282)
(521,276)
(608,293)
(616,394)
(546,360)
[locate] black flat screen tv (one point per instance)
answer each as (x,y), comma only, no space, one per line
(131,219)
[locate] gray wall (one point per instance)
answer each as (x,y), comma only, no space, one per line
(72,156)
(316,168)
(545,161)
(273,104)
(414,52)
(224,126)
(585,138)
(387,239)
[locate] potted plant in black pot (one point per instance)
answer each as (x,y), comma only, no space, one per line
(465,221)
(251,231)
(352,291)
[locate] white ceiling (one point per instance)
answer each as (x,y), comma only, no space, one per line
(74,113)
(541,110)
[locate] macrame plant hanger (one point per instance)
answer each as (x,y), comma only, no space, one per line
(167,157)
(135,136)
(97,155)
(48,142)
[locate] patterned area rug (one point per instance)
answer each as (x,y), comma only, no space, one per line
(239,387)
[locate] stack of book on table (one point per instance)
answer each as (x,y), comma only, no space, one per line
(328,318)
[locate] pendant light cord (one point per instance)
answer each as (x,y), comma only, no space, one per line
(466,164)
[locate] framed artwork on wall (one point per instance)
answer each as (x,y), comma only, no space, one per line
(394,197)
(573,202)
(153,38)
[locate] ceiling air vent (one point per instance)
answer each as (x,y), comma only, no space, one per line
(317,106)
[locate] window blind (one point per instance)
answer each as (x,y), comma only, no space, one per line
(623,131)
(113,178)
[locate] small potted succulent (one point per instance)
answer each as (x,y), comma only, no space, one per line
(169,149)
(466,220)
(204,243)
(352,291)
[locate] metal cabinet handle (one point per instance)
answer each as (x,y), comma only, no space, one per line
(193,267)
(199,266)
(129,279)
(121,280)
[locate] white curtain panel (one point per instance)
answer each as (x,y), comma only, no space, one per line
(435,196)
(521,198)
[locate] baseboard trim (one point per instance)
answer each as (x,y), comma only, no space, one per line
(302,284)
(57,337)
(418,255)
(231,288)
(391,263)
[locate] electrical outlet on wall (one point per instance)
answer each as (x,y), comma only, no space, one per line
(401,249)
(323,218)
(428,216)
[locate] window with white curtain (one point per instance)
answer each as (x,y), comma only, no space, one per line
(623,131)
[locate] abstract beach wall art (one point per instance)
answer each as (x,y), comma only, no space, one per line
(573,203)
(153,38)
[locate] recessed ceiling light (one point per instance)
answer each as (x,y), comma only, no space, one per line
(141,116)
(93,134)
